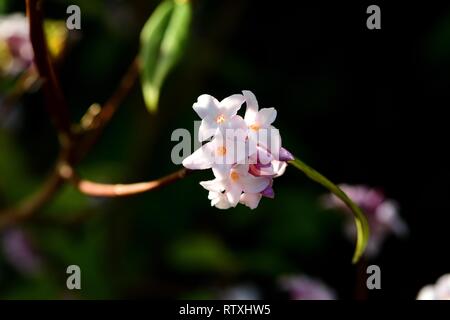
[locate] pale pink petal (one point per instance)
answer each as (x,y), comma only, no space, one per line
(252,107)
(253,184)
(233,194)
(251,200)
(426,293)
(221,171)
(237,123)
(266,117)
(215,185)
(200,159)
(206,105)
(223,203)
(219,200)
(241,169)
(230,105)
(207,129)
(270,139)
(279,167)
(264,156)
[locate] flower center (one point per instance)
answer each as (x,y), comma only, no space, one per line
(234,176)
(255,127)
(221,151)
(220,119)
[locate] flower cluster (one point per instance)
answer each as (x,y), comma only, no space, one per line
(382,214)
(302,287)
(245,154)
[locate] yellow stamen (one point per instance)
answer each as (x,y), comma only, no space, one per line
(220,119)
(234,176)
(221,151)
(255,127)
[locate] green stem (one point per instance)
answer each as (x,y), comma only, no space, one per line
(362,227)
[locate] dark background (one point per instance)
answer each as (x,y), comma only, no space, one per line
(361,106)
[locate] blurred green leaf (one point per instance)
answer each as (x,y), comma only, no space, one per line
(202,253)
(15,181)
(88,250)
(163,40)
(38,288)
(362,226)
(3,6)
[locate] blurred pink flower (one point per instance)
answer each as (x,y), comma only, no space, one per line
(382,214)
(302,287)
(18,251)
(16,51)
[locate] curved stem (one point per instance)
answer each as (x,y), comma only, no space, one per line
(118,190)
(362,226)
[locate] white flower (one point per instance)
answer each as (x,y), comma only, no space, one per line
(261,132)
(438,291)
(223,151)
(244,154)
(215,114)
(238,180)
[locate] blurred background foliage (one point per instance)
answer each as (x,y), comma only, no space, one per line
(330,79)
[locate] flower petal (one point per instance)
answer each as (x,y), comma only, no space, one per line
(270,139)
(266,116)
(279,167)
(251,184)
(252,107)
(251,200)
(219,200)
(221,171)
(206,105)
(231,104)
(233,194)
(285,155)
(215,185)
(207,129)
(268,192)
(200,159)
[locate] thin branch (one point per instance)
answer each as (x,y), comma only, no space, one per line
(73,149)
(100,120)
(72,155)
(34,203)
(118,190)
(124,87)
(55,102)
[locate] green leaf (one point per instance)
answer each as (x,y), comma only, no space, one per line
(163,40)
(4,5)
(362,227)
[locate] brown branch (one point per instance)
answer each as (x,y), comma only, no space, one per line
(125,86)
(36,201)
(73,155)
(55,102)
(100,120)
(74,148)
(118,190)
